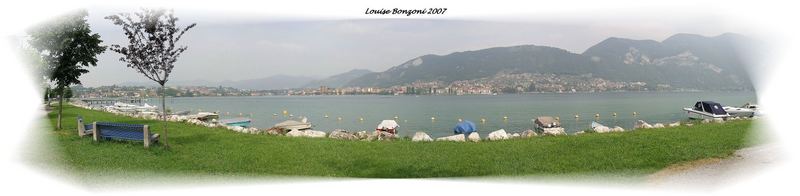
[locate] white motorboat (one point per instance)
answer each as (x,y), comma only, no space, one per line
(293,124)
(747,110)
(706,110)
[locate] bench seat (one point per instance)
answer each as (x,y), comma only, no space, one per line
(123,131)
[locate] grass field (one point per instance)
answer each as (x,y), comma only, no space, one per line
(215,151)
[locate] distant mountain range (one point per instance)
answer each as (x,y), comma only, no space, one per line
(682,61)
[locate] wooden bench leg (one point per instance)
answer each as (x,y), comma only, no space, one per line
(95,131)
(146,137)
(81,128)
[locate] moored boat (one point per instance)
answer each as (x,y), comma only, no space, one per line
(747,110)
(706,110)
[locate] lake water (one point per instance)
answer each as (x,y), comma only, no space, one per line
(414,112)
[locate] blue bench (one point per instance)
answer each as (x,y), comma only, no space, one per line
(123,131)
(84,129)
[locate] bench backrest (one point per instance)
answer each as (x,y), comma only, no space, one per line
(110,130)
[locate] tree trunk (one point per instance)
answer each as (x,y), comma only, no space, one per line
(60,106)
(164,113)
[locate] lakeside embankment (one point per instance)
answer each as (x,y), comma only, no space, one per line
(218,151)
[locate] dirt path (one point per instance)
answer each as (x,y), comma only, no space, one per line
(712,173)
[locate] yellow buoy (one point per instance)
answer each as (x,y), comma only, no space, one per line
(361,119)
(433,118)
(597,115)
(577,116)
(634,113)
(396,117)
(558,118)
(505,117)
(326,115)
(614,114)
(459,120)
(339,118)
(483,120)
(285,112)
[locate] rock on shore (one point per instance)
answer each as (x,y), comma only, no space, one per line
(498,135)
(455,138)
(529,133)
(474,136)
(342,135)
(421,137)
(643,125)
(553,131)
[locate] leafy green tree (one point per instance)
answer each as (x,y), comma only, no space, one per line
(67,46)
(152,51)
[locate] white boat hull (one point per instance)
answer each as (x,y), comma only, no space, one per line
(694,114)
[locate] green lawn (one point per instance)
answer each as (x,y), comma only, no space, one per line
(216,151)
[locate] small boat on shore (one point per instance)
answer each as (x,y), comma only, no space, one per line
(706,110)
(389,126)
(293,124)
(207,116)
(241,122)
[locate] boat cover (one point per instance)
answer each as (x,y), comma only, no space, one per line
(710,107)
(465,127)
(388,124)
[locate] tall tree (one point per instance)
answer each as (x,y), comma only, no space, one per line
(152,51)
(67,46)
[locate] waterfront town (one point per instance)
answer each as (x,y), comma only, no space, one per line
(505,83)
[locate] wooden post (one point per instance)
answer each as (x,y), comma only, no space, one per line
(146,137)
(95,131)
(81,128)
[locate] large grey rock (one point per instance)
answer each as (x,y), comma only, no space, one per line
(421,137)
(342,135)
(498,135)
(474,136)
(454,138)
(553,131)
(658,125)
(617,129)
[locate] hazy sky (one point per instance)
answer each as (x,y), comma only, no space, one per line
(233,48)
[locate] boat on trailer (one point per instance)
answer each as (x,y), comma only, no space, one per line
(707,110)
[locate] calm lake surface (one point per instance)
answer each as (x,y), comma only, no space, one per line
(414,112)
